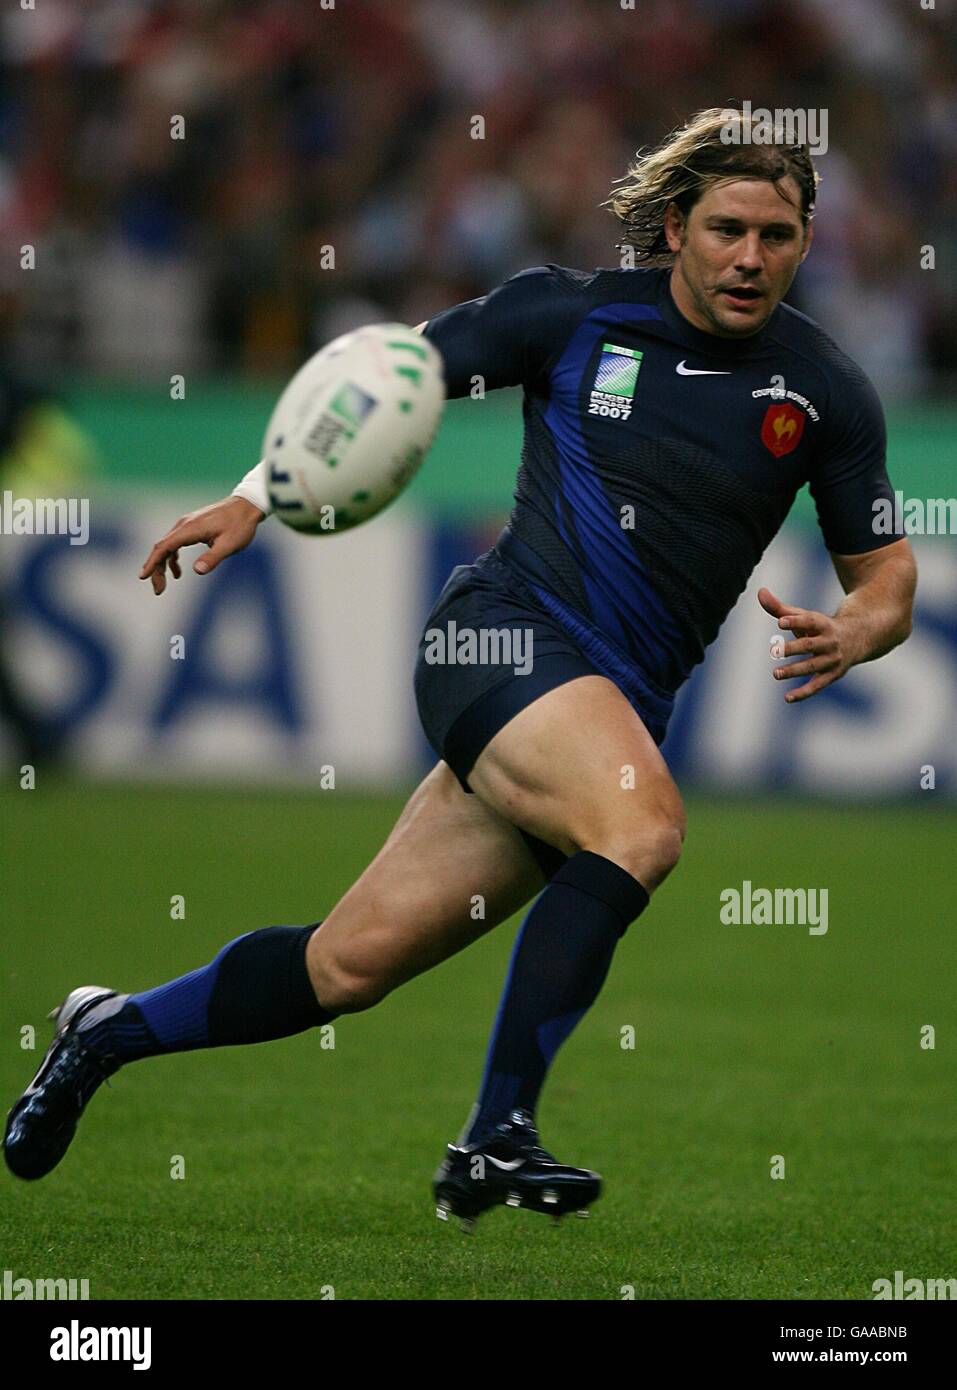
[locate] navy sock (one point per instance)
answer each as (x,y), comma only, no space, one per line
(257,988)
(559,964)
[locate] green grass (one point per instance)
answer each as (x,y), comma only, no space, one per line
(308,1167)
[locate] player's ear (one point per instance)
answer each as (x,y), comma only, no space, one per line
(808,238)
(674,226)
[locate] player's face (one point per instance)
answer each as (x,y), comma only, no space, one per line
(736,254)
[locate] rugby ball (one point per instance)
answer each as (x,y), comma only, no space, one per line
(352,427)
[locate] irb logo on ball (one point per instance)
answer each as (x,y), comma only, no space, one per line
(352,427)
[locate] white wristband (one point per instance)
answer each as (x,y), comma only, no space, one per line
(254,488)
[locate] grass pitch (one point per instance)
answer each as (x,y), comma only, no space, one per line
(308,1169)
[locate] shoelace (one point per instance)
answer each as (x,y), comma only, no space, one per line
(531,1146)
(70,1061)
(541,1155)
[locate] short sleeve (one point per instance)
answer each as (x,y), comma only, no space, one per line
(506,337)
(851,475)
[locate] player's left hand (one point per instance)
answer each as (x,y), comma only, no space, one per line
(819,639)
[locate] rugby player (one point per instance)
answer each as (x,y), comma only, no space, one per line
(672,412)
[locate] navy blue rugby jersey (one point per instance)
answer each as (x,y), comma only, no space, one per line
(659,461)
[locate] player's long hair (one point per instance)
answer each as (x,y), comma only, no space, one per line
(693,158)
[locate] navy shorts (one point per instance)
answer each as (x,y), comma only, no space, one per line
(464,702)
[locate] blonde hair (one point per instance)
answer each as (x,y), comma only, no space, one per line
(714,145)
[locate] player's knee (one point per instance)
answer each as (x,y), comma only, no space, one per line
(342,983)
(649,847)
(345,991)
(664,847)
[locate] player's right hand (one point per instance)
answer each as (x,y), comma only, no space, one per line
(225,526)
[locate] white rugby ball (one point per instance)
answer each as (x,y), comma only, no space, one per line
(352,427)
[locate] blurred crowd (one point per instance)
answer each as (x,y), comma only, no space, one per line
(348,160)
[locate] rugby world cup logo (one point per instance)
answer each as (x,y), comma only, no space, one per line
(616,377)
(782,428)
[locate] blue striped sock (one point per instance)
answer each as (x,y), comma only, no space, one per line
(255,989)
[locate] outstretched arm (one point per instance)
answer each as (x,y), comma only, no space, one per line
(874,618)
(225,527)
(499,338)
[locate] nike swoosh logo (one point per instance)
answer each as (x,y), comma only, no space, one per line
(682,370)
(508,1167)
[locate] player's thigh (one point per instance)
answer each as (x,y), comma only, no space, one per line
(451,869)
(578,769)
